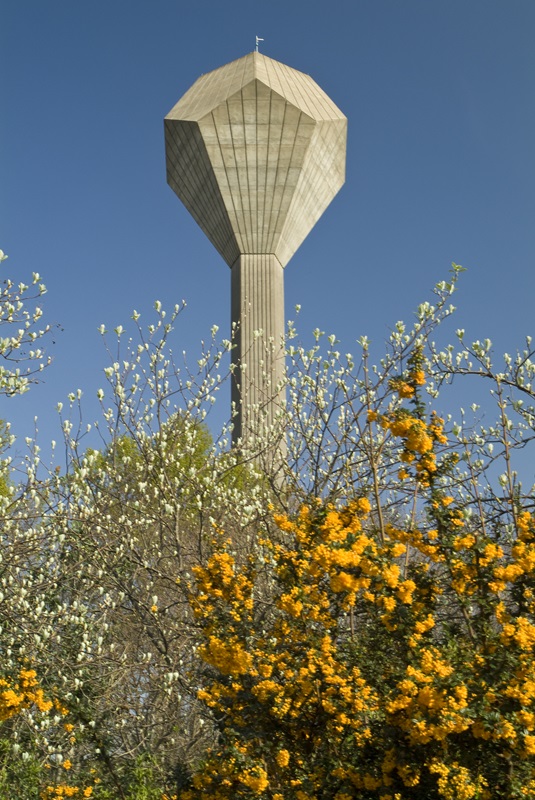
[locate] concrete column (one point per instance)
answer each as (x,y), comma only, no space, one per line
(257,308)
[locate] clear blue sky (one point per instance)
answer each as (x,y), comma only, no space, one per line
(440,97)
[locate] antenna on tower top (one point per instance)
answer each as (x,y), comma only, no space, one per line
(258,39)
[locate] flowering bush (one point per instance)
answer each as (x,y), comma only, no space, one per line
(352,620)
(395,663)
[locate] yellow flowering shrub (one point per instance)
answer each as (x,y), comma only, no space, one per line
(22,693)
(347,662)
(24,698)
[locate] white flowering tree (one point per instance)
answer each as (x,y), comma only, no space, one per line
(21,355)
(99,555)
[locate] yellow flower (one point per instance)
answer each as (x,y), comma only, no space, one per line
(389,603)
(391,575)
(370,782)
(229,657)
(425,625)
(257,781)
(403,388)
(290,605)
(405,591)
(417,377)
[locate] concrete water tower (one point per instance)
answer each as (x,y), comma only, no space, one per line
(256,152)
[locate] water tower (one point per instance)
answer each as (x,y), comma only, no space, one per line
(256,152)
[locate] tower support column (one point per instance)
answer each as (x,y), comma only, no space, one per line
(257,311)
